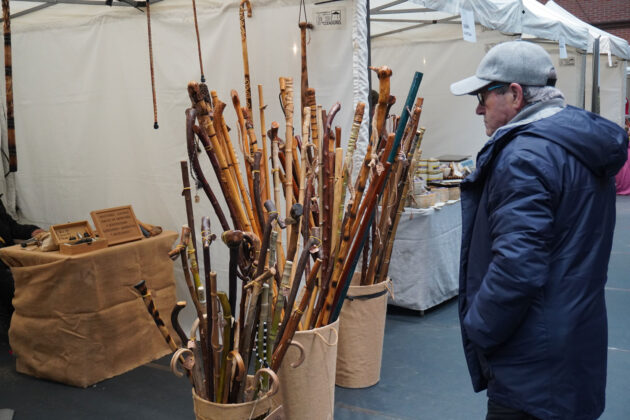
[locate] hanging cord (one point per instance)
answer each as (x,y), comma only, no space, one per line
(302,7)
(203,79)
(155,122)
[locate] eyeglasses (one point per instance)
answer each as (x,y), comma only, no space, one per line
(481,96)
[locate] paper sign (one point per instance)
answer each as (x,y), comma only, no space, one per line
(563,48)
(468,25)
(330,17)
(117,224)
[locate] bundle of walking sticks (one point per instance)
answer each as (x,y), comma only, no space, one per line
(297,187)
(309,177)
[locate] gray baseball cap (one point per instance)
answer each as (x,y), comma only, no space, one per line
(519,62)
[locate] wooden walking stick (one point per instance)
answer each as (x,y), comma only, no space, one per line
(247,155)
(148,301)
(327,188)
(286,84)
(311,247)
(293,321)
(200,177)
(241,13)
(283,293)
(8,78)
(212,309)
(155,122)
(263,138)
(384,73)
(350,263)
(203,109)
(304,73)
(233,158)
(188,199)
(227,344)
(181,304)
(254,289)
(400,207)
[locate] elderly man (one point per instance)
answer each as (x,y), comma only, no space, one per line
(538,217)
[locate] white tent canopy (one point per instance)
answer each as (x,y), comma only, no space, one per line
(608,43)
(426,36)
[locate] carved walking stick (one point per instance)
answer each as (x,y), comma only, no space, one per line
(241,12)
(384,73)
(287,84)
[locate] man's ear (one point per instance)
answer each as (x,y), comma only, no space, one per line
(516,96)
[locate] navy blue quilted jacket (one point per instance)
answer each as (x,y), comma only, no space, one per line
(538,216)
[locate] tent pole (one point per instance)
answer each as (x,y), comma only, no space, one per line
(595,91)
(581,98)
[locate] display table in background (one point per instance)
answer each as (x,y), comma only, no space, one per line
(78,319)
(424,265)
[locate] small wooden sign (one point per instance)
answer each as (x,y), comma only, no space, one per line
(117,224)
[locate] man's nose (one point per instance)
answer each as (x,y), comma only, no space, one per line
(480,110)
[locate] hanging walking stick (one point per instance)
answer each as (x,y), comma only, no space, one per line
(194,6)
(241,12)
(8,78)
(155,121)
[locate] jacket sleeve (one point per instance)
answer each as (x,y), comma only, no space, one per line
(520,219)
(18,231)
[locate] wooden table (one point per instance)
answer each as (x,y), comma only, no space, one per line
(78,319)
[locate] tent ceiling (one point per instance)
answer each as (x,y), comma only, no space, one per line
(526,17)
(24,7)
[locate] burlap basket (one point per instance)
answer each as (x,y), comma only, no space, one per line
(252,410)
(307,392)
(361,332)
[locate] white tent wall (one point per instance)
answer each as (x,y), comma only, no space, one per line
(83,103)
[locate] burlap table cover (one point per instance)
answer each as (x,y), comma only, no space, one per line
(78,319)
(361,333)
(308,391)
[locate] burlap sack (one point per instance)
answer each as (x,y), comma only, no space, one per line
(206,410)
(361,332)
(78,319)
(308,391)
